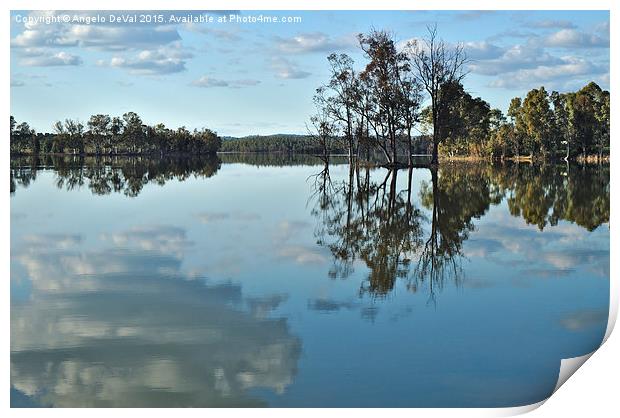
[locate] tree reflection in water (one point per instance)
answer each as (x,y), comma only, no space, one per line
(544,195)
(378,223)
(104,175)
(369,217)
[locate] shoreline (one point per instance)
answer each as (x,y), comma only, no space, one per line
(130,154)
(589,159)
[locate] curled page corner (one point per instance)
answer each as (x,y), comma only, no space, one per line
(518,410)
(568,367)
(613,310)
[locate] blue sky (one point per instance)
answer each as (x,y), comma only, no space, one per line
(259,78)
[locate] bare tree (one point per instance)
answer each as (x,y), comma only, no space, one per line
(322,129)
(437,64)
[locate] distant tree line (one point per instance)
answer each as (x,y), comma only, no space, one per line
(382,106)
(303,144)
(273,159)
(105,135)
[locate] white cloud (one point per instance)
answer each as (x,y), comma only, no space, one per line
(207,82)
(550,75)
(536,61)
(40,34)
(482,50)
(121,38)
(514,58)
(287,69)
(570,38)
(159,47)
(50,60)
(144,66)
(313,42)
(165,60)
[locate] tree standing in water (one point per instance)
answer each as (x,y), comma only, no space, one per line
(322,131)
(436,65)
(338,97)
(394,92)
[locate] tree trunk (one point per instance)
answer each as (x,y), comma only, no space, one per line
(409,206)
(394,156)
(392,194)
(435,156)
(409,159)
(350,149)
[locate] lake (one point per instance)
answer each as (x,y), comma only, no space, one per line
(268,280)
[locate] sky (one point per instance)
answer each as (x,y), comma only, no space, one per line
(243,76)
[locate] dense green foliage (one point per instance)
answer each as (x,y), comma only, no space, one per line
(552,125)
(105,135)
(542,125)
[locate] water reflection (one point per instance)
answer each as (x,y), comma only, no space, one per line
(360,218)
(104,175)
(110,305)
(274,159)
(375,220)
(544,195)
(124,325)
(369,215)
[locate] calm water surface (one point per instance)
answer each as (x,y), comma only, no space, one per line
(270,281)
